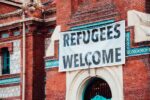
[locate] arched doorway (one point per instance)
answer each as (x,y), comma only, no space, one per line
(79,81)
(97,89)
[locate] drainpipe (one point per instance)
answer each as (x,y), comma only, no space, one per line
(24,53)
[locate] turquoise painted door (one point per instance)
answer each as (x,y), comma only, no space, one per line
(97,89)
(98,97)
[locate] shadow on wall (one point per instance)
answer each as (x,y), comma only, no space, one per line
(147,3)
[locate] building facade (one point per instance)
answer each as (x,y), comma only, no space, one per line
(42,22)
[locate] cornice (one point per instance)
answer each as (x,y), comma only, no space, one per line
(10,2)
(11,14)
(28,21)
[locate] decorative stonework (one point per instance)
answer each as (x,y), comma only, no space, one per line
(51,63)
(9,80)
(7,92)
(135,51)
(16,13)
(78,80)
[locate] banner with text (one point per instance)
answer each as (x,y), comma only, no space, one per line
(96,47)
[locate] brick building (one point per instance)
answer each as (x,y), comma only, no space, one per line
(30,50)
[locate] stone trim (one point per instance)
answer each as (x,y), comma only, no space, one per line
(56,52)
(52,69)
(11,14)
(10,79)
(8,76)
(28,19)
(10,85)
(10,2)
(13,98)
(78,80)
(11,38)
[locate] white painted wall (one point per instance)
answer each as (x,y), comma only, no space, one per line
(77,80)
(10,92)
(141,23)
(15,57)
(50,42)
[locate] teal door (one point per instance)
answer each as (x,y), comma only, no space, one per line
(97,89)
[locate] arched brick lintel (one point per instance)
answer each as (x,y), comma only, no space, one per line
(7,45)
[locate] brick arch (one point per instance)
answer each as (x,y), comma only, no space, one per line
(79,81)
(7,45)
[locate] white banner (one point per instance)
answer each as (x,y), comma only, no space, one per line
(96,47)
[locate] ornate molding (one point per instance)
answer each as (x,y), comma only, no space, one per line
(135,51)
(11,14)
(11,2)
(9,79)
(51,63)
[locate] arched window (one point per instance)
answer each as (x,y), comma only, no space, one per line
(97,89)
(5,61)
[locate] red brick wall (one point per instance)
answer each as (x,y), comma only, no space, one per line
(124,5)
(38,66)
(55,88)
(6,8)
(68,11)
(136,77)
(9,19)
(35,71)
(55,85)
(63,13)
(29,68)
